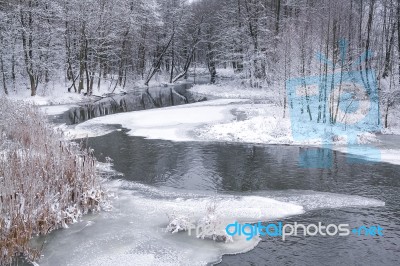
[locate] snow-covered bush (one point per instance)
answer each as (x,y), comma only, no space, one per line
(211,226)
(179,223)
(208,227)
(46,182)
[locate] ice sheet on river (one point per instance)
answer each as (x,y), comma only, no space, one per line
(170,123)
(133,233)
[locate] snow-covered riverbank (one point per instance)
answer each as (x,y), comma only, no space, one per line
(226,120)
(134,232)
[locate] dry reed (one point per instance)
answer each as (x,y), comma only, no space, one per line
(46,181)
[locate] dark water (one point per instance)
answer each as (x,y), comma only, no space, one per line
(142,99)
(252,168)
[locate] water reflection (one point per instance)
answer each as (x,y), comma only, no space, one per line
(235,167)
(133,101)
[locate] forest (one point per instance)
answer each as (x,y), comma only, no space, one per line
(148,54)
(84,43)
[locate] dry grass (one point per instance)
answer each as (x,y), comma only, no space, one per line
(46,181)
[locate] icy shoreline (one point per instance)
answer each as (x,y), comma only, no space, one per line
(217,120)
(134,231)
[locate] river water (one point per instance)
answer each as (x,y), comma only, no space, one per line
(163,177)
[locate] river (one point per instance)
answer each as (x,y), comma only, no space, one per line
(162,177)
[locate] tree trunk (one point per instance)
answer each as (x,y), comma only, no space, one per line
(211,63)
(27,44)
(3,75)
(33,84)
(398,34)
(157,65)
(122,59)
(277,14)
(186,67)
(367,43)
(388,53)
(172,62)
(82,60)
(88,87)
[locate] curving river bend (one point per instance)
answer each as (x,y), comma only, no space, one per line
(159,176)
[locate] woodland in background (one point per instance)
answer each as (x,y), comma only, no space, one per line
(266,42)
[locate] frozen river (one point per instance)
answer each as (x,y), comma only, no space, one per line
(250,183)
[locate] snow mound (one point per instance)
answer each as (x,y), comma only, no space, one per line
(56,109)
(231,91)
(256,130)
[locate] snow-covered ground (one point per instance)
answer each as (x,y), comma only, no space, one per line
(211,120)
(268,124)
(233,90)
(56,109)
(221,72)
(55,97)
